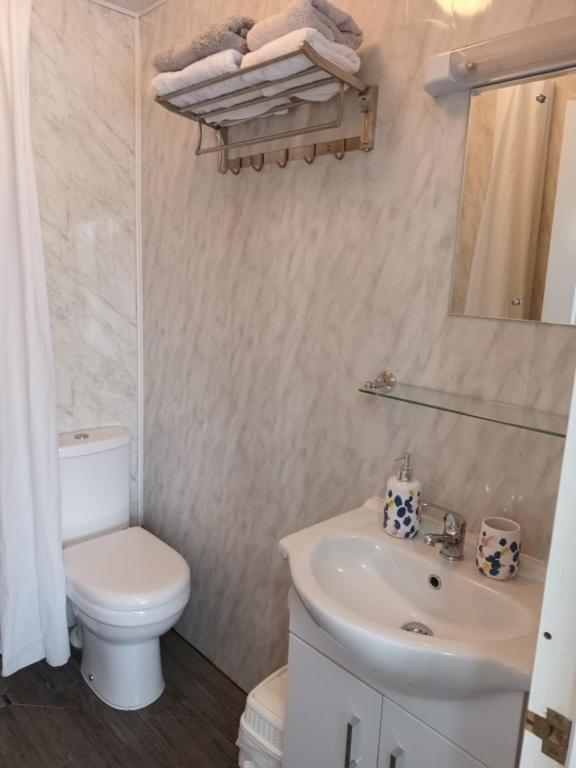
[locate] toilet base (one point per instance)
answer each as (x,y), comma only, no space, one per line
(124,675)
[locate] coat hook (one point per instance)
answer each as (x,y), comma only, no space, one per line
(284,162)
(311,159)
(235,165)
(340,152)
(257,166)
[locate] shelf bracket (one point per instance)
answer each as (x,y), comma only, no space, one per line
(386,380)
(369,109)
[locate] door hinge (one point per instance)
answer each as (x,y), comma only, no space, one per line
(554,730)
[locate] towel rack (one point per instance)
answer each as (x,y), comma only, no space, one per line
(219,107)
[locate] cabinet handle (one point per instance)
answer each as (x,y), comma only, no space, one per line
(348,762)
(394,757)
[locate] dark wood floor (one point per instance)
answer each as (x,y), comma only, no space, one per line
(49,718)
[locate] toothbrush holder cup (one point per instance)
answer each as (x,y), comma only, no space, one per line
(499,547)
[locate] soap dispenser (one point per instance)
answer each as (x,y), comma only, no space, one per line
(402,508)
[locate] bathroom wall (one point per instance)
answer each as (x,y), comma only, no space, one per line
(83,123)
(269,297)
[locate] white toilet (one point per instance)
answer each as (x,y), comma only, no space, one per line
(125,586)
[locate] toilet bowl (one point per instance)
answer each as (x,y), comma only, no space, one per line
(126,589)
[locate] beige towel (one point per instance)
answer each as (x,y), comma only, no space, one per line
(336,25)
(228,33)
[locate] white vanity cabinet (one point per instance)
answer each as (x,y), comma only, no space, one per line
(405,742)
(335,720)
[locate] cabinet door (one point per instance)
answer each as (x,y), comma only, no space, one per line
(332,718)
(405,742)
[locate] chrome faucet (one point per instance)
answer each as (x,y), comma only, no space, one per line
(452,538)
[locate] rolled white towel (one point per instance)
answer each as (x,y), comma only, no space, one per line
(336,25)
(211,67)
(341,55)
(230,101)
(247,113)
(222,63)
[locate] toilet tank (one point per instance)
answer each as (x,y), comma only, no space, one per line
(95,482)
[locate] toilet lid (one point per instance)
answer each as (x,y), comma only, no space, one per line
(128,570)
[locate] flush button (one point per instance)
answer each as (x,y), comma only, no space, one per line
(82,436)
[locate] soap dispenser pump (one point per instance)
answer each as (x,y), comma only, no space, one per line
(402,508)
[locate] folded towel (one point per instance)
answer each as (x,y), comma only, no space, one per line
(230,101)
(206,69)
(225,34)
(231,61)
(247,113)
(338,54)
(202,71)
(334,24)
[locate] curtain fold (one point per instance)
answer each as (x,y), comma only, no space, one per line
(504,257)
(32,582)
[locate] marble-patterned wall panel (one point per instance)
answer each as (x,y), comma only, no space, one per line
(269,297)
(83,123)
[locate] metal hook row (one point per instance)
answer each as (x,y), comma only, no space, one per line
(257,162)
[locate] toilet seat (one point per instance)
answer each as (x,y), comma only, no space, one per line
(127,578)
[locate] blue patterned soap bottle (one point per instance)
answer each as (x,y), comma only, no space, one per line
(402,508)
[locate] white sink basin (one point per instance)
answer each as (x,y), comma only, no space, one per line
(361,586)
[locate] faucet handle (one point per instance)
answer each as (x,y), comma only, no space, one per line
(454,523)
(453,538)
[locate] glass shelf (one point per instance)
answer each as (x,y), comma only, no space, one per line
(486,410)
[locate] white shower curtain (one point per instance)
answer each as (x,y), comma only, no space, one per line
(32,586)
(504,256)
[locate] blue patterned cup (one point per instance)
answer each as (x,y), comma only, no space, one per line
(499,547)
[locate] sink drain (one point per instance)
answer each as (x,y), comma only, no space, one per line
(417,628)
(435,581)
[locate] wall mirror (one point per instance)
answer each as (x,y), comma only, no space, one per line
(516,246)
